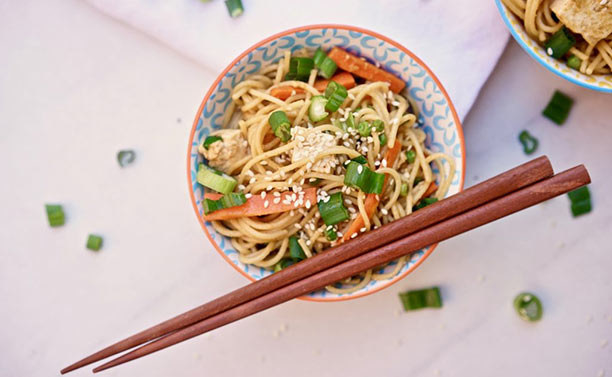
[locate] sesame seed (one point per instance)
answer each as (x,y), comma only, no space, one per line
(360,169)
(339,234)
(252,180)
(290,181)
(346,144)
(266,204)
(276,200)
(308,243)
(549,51)
(308,205)
(297,225)
(384,162)
(395,103)
(347,201)
(248,195)
(250,173)
(376,163)
(264,163)
(384,211)
(351,96)
(308,165)
(363,229)
(268,172)
(352,210)
(241,187)
(276,193)
(269,188)
(263,194)
(354,235)
(301,183)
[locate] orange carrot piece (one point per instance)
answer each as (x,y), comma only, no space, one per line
(344,78)
(362,68)
(283,92)
(430,190)
(371,201)
(255,205)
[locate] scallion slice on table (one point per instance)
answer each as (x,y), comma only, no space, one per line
(581,201)
(574,62)
(422,298)
(316,110)
(215,180)
(125,157)
(333,210)
(410,156)
(232,199)
(280,125)
(424,203)
(558,108)
(55,214)
(211,139)
(299,69)
(234,7)
(335,94)
(361,177)
(360,159)
(560,43)
(530,143)
(295,250)
(94,242)
(528,306)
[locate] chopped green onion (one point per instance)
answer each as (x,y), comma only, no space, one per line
(211,139)
(316,111)
(232,199)
(295,250)
(282,264)
(350,120)
(299,69)
(328,68)
(528,306)
(234,7)
(424,203)
(383,139)
(360,159)
(364,129)
(404,189)
(361,177)
(280,125)
(331,234)
(574,62)
(336,94)
(319,56)
(558,108)
(215,180)
(410,156)
(378,125)
(94,242)
(560,43)
(581,201)
(530,143)
(422,298)
(126,157)
(333,210)
(55,214)
(417,180)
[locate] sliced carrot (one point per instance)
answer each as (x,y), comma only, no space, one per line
(283,92)
(372,200)
(430,190)
(344,78)
(255,205)
(362,68)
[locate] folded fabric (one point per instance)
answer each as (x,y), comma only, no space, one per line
(459,40)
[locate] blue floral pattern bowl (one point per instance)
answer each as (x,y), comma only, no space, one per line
(602,83)
(437,118)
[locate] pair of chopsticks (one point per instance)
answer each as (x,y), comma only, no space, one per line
(500,196)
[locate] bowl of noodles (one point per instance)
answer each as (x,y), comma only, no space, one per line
(572,38)
(314,136)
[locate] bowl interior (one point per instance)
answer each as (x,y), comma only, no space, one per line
(601,83)
(437,118)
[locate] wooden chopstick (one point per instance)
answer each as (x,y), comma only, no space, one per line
(538,192)
(502,184)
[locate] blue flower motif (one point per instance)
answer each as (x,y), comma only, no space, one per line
(429,95)
(327,37)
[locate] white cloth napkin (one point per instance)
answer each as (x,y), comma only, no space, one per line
(459,40)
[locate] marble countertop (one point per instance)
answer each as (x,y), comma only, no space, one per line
(74,90)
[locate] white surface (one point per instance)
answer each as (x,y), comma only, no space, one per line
(204,31)
(76,86)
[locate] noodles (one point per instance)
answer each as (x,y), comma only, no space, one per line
(540,23)
(316,154)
